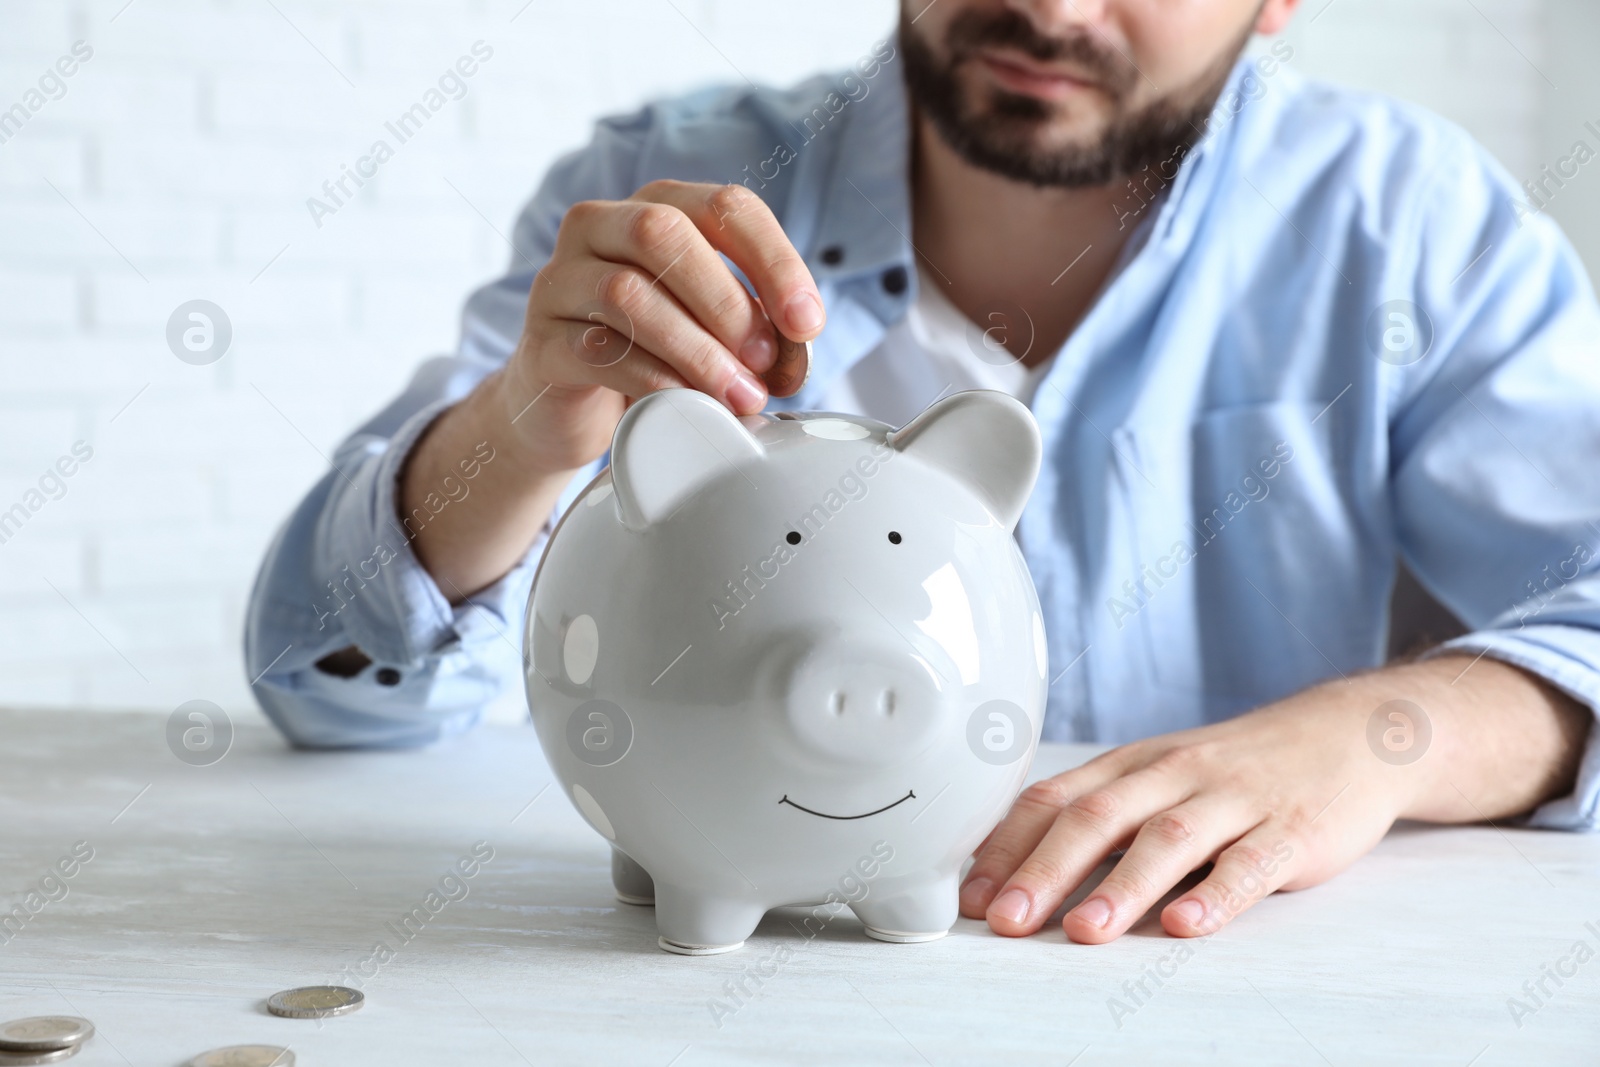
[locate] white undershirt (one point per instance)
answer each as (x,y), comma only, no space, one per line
(936,350)
(933,351)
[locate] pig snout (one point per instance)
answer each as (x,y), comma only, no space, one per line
(862,702)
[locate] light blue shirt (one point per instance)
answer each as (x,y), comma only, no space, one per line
(1339,344)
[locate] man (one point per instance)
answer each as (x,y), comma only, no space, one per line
(1277,336)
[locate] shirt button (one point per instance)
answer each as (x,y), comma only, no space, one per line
(387,676)
(894,281)
(833,255)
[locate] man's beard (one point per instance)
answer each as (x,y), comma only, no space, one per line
(1002,136)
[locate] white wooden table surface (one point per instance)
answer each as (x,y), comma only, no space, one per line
(221,885)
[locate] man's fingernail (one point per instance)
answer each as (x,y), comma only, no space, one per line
(973,892)
(1012,906)
(746,394)
(1190,911)
(759,352)
(1096,911)
(803,313)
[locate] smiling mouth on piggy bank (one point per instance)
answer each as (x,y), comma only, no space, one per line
(910,795)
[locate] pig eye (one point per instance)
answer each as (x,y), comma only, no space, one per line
(894,537)
(794,537)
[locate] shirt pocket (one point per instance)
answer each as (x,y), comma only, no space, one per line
(1272,577)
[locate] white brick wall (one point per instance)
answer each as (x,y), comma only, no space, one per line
(190,142)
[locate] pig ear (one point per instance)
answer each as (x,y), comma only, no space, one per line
(986,440)
(668,446)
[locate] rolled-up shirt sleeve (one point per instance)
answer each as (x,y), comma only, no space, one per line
(1495,441)
(341,573)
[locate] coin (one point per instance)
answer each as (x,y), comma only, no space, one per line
(44,1033)
(54,1055)
(791,369)
(245,1056)
(315,1002)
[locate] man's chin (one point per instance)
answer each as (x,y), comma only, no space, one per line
(1086,140)
(1070,132)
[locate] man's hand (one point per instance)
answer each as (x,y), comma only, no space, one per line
(1282,798)
(636,297)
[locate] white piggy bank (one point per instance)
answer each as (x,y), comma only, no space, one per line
(793,658)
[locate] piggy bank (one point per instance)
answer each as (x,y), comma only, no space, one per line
(794,658)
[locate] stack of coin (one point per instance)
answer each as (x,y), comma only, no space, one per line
(43,1039)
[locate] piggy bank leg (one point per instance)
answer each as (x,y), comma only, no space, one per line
(909,912)
(632,882)
(693,923)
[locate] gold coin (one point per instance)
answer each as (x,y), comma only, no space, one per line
(315,1002)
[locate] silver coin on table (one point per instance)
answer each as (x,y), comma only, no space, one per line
(44,1033)
(245,1056)
(315,1002)
(54,1055)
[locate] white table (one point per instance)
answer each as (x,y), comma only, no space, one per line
(220,885)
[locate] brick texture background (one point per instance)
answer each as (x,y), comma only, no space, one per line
(177,165)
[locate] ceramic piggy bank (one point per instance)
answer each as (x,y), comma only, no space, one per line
(784,659)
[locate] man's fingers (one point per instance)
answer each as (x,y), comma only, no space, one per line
(665,244)
(603,356)
(738,223)
(1170,845)
(1019,833)
(1088,829)
(626,299)
(1249,870)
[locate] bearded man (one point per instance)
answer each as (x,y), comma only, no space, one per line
(1283,342)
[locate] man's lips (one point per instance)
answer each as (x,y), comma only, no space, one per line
(1028,77)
